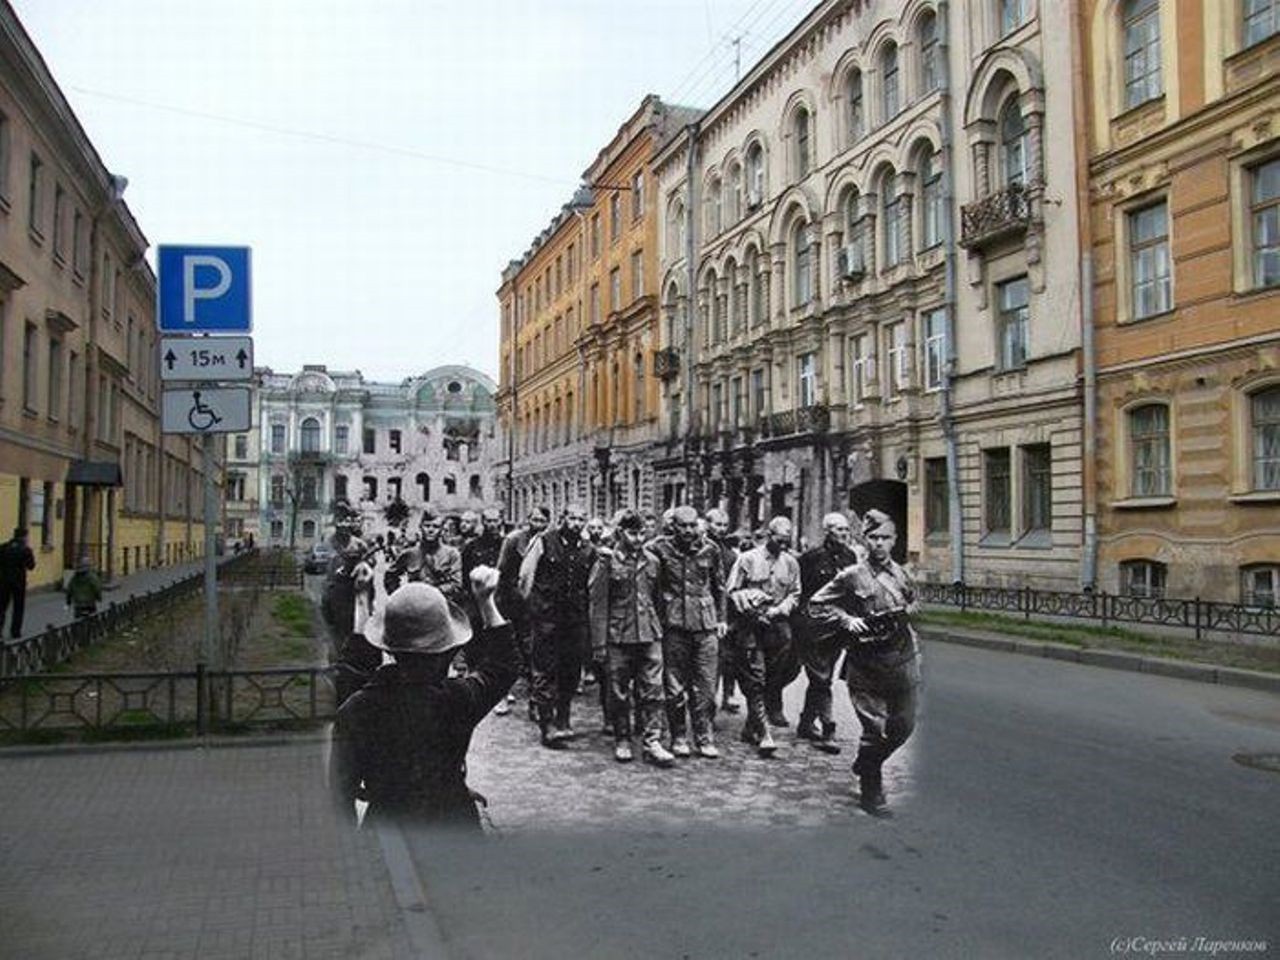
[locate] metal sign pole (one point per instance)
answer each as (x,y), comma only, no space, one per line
(209,648)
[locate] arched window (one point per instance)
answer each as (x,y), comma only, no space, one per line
(424,484)
(930,69)
(1141,24)
(735,318)
(715,207)
(1013,145)
(930,200)
(755,176)
(675,229)
(857,110)
(675,331)
(311,435)
(890,101)
(637,380)
(802,262)
(800,129)
(890,227)
(712,302)
(733,193)
(853,256)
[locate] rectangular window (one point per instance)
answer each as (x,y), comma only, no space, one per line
(35,197)
(1264,217)
(1149,443)
(341,437)
(1142,52)
(1264,410)
(277,529)
(937,503)
(615,216)
(637,195)
(1037,487)
(637,275)
(30,366)
(1261,20)
(394,488)
(889,85)
(277,437)
(59,229)
(1012,15)
(394,438)
(340,486)
(45,513)
(595,236)
(861,364)
(277,489)
(76,390)
(55,378)
(935,348)
(1142,578)
(717,401)
(1152,274)
(1260,585)
(932,199)
(78,243)
(758,399)
(895,343)
(892,233)
(735,402)
(808,380)
(996,502)
(571,269)
(370,440)
(595,303)
(615,289)
(241,447)
(1012,300)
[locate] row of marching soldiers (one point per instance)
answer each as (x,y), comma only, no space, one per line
(663,618)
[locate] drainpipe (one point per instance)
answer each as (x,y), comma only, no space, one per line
(691,271)
(511,421)
(947,415)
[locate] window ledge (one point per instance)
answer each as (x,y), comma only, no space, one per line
(1144,503)
(1256,496)
(1130,320)
(1000,539)
(1036,540)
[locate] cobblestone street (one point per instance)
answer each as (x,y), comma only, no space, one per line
(530,787)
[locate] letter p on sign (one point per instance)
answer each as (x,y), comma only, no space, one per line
(203,290)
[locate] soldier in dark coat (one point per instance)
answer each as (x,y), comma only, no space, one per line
(817,651)
(401,741)
(868,604)
(16,559)
(553,582)
(510,556)
(718,534)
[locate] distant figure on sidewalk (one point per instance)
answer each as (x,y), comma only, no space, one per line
(16,559)
(84,590)
(401,741)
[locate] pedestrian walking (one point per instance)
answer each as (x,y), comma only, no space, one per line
(626,638)
(817,651)
(553,581)
(765,588)
(16,559)
(510,602)
(401,741)
(869,606)
(692,607)
(435,562)
(718,533)
(84,589)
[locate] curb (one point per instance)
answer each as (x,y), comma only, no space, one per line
(158,746)
(1111,659)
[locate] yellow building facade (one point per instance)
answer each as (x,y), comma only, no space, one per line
(83,464)
(1181,127)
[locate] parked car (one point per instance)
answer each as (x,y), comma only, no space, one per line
(318,558)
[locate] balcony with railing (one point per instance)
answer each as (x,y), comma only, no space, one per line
(666,363)
(317,457)
(1005,213)
(812,419)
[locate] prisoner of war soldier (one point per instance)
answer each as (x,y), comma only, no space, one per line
(435,562)
(818,652)
(764,588)
(868,605)
(626,635)
(718,534)
(553,580)
(401,741)
(693,612)
(510,556)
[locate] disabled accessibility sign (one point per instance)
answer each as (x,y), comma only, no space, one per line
(202,409)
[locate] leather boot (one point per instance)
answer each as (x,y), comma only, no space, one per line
(826,739)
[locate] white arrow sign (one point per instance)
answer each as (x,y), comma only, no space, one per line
(206,410)
(206,358)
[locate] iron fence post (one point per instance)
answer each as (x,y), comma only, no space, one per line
(1026,602)
(964,596)
(1197,610)
(1104,608)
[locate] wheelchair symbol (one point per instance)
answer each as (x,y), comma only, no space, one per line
(200,416)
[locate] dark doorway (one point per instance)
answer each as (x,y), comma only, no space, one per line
(890,496)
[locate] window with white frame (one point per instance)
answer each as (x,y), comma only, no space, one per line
(801,129)
(1152,475)
(937,497)
(895,345)
(1014,144)
(1260,19)
(935,347)
(637,274)
(1260,585)
(241,447)
(277,489)
(997,516)
(931,201)
(1013,14)
(309,486)
(1264,222)
(857,108)
(755,176)
(802,264)
(862,361)
(615,289)
(807,367)
(890,101)
(930,68)
(310,435)
(1264,417)
(1143,578)
(277,437)
(1151,272)
(637,195)
(1141,27)
(1013,306)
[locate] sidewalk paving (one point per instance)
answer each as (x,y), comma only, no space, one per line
(218,852)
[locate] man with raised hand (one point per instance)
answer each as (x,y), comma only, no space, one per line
(693,619)
(869,605)
(553,581)
(764,587)
(818,652)
(626,636)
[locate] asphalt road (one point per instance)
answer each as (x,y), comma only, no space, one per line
(1044,809)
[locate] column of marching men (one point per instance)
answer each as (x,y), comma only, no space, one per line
(663,621)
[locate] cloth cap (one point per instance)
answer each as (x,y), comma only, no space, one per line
(417,619)
(873,520)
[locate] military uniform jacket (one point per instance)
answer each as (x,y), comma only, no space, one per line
(553,578)
(442,569)
(690,584)
(624,599)
(819,566)
(870,592)
(777,576)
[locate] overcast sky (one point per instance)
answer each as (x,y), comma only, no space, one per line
(384,159)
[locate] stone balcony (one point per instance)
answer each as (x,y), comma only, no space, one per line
(1005,213)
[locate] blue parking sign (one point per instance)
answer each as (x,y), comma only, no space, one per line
(203,290)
